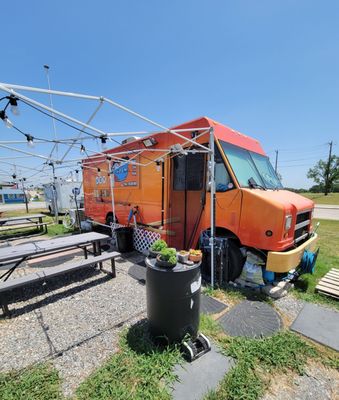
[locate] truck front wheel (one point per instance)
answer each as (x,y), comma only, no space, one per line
(236,260)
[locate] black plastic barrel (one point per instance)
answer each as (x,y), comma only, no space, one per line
(173,300)
(124,239)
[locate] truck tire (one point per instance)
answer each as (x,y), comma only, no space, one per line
(236,260)
(109,219)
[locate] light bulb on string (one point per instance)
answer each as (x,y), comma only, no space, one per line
(30,139)
(103,139)
(13,101)
(5,119)
(82,149)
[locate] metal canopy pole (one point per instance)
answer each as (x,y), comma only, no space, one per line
(111,182)
(55,199)
(212,203)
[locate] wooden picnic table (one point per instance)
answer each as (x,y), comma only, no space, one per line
(27,251)
(29,218)
(24,221)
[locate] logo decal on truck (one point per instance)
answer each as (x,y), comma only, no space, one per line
(121,172)
(100,179)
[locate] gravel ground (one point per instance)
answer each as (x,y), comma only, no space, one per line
(289,306)
(74,320)
(318,383)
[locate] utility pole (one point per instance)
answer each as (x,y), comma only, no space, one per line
(46,67)
(276,161)
(327,174)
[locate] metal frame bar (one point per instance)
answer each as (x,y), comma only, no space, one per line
(9,88)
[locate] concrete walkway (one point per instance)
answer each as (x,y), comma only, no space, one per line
(196,379)
(326,211)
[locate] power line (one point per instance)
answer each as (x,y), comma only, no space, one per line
(300,149)
(296,165)
(300,159)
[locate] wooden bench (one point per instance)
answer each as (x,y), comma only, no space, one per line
(24,225)
(50,272)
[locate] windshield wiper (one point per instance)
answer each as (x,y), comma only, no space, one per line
(253,184)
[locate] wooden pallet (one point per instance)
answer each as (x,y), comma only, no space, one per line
(329,284)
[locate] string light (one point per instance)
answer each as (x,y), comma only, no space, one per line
(30,139)
(5,119)
(82,149)
(103,139)
(13,101)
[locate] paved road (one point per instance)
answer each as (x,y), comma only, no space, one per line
(31,206)
(323,211)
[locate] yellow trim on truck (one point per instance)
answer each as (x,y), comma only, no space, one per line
(279,261)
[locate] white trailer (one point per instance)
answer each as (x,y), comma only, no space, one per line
(62,194)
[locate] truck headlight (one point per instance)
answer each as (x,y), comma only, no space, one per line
(288,222)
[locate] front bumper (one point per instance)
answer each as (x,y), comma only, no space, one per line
(281,262)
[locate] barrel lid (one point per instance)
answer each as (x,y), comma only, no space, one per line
(152,263)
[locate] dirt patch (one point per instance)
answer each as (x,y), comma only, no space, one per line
(317,383)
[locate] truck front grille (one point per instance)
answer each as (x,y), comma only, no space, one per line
(302,224)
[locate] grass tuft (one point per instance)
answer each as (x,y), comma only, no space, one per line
(320,198)
(140,370)
(328,258)
(40,382)
(254,359)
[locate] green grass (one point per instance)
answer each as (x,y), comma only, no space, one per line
(320,198)
(18,213)
(328,258)
(52,229)
(40,382)
(57,229)
(140,370)
(258,359)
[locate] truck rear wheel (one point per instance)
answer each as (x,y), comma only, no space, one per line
(109,219)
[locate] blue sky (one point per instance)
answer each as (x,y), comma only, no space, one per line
(266,68)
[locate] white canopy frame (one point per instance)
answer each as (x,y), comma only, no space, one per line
(13,89)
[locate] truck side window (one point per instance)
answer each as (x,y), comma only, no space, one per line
(223,181)
(188,172)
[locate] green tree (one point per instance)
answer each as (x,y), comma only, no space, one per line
(325,173)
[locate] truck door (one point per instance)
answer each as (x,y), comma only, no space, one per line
(187,197)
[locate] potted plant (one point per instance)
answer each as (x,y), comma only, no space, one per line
(167,258)
(195,255)
(183,256)
(156,247)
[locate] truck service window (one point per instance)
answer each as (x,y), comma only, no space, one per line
(247,164)
(188,172)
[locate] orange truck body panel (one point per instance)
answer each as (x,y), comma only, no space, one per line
(247,213)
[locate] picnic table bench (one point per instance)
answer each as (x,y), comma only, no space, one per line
(47,273)
(23,221)
(27,251)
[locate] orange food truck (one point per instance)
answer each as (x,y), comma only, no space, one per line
(164,180)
